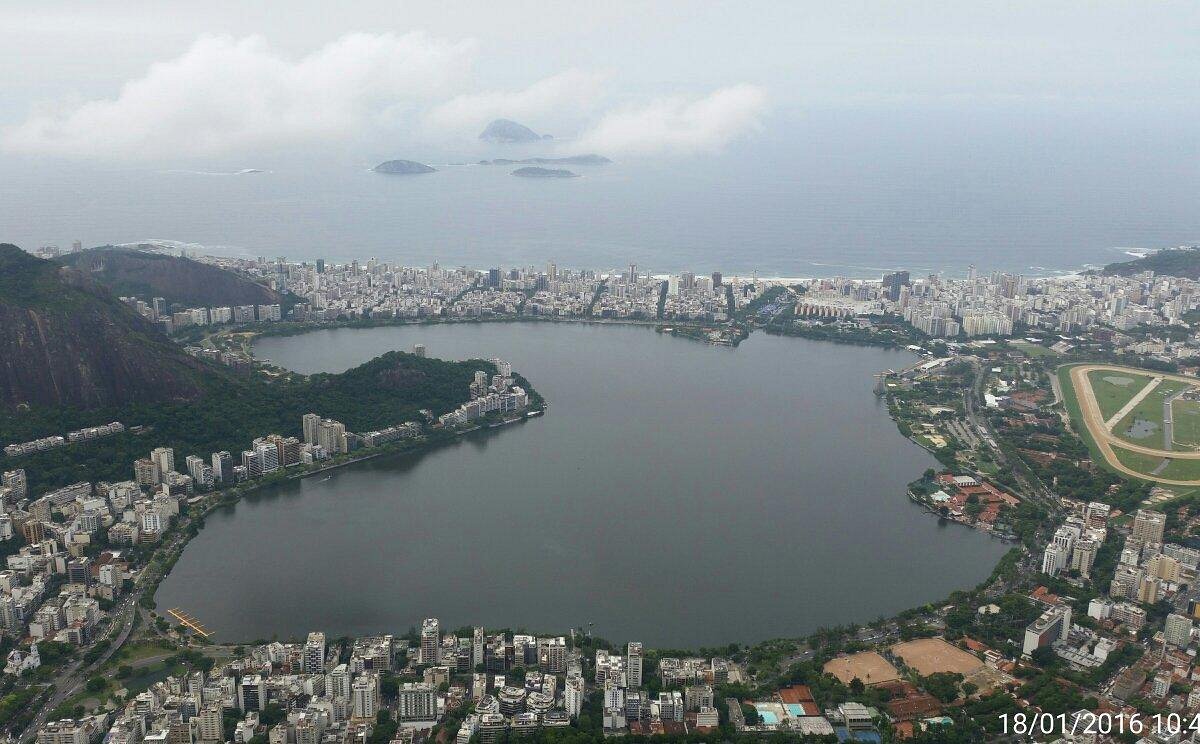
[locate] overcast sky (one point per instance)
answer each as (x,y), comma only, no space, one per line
(130,80)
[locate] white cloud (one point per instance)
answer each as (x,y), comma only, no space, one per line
(233,95)
(678,125)
(226,94)
(548,102)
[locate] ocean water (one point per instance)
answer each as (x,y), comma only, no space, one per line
(850,193)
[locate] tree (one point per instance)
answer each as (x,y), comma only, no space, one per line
(272,714)
(1043,656)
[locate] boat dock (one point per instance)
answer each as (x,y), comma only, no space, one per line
(190,622)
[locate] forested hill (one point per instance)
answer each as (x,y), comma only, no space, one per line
(182,281)
(66,341)
(387,390)
(1180,262)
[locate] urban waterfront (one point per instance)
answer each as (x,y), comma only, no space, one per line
(675,492)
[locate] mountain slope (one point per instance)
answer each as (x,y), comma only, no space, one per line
(1180,262)
(66,341)
(131,272)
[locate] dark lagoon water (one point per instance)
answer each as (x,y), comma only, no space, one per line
(676,493)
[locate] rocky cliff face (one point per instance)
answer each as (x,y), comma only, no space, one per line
(130,272)
(66,341)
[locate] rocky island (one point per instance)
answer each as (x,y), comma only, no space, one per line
(534,172)
(403,168)
(507,131)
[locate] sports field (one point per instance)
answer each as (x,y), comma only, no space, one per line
(1144,424)
(1186,414)
(1119,413)
(1114,389)
(930,655)
(869,667)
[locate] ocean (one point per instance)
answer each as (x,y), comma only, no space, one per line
(851,192)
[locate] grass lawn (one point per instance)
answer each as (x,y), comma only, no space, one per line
(132,652)
(1182,470)
(1033,350)
(1137,461)
(1151,410)
(1175,470)
(1186,414)
(142,678)
(1112,396)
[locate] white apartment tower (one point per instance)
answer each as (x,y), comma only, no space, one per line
(573,694)
(1178,630)
(339,683)
(164,458)
(364,697)
(633,664)
(314,653)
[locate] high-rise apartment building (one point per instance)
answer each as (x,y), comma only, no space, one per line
(431,641)
(164,458)
(364,697)
(1148,527)
(633,664)
(314,653)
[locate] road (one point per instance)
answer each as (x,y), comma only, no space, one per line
(71,678)
(1105,440)
(1169,420)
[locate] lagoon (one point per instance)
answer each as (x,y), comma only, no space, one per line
(675,493)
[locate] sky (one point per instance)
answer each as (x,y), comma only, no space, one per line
(131,81)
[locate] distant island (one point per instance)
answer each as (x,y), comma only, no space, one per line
(590,159)
(544,173)
(403,168)
(507,131)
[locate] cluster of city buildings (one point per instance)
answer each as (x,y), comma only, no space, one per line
(52,589)
(628,707)
(382,290)
(171,319)
(79,435)
(60,529)
(1149,571)
(497,395)
(1077,540)
(317,692)
(994,304)
(998,303)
